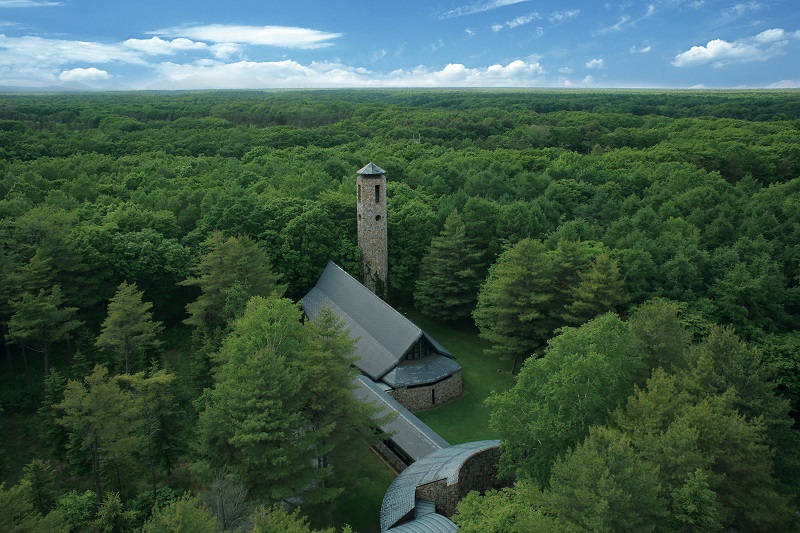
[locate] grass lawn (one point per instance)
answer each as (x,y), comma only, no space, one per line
(362,507)
(465,419)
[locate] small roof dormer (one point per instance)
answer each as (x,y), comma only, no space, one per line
(371,169)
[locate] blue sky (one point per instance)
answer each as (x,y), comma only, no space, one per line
(199,44)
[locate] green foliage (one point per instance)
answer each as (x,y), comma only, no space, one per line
(129,330)
(514,305)
(39,320)
(277,520)
(185,515)
(253,420)
(600,290)
(39,481)
(584,373)
(112,517)
(231,268)
(104,425)
(447,288)
(78,510)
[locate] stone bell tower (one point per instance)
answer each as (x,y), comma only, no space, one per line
(372,240)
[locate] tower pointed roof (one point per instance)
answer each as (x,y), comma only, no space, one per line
(371,170)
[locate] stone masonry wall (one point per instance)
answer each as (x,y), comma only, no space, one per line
(372,233)
(479,473)
(419,398)
(390,457)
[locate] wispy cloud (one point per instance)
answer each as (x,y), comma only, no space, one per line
(28,3)
(619,26)
(720,53)
(557,17)
(595,63)
(637,50)
(519,21)
(279,36)
(479,7)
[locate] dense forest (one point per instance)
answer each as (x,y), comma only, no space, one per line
(633,255)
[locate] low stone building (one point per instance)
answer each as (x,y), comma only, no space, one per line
(392,351)
(425,495)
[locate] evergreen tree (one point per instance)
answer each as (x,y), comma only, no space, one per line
(447,288)
(40,320)
(129,330)
(342,424)
(233,270)
(104,424)
(516,303)
(253,420)
(599,290)
(39,480)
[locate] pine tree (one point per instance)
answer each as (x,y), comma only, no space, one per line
(104,424)
(447,288)
(253,420)
(600,289)
(342,424)
(233,270)
(40,320)
(129,330)
(515,304)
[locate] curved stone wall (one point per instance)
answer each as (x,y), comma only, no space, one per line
(430,396)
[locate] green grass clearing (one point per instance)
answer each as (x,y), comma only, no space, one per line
(467,418)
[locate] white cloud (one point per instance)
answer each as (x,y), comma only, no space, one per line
(565,70)
(377,55)
(280,36)
(588,80)
(438,44)
(226,50)
(288,74)
(643,50)
(720,53)
(470,32)
(84,74)
(157,46)
(562,16)
(519,21)
(744,8)
(28,3)
(40,53)
(479,7)
(697,4)
(619,26)
(595,63)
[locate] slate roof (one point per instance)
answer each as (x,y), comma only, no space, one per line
(421,371)
(446,463)
(383,335)
(409,432)
(371,169)
(430,523)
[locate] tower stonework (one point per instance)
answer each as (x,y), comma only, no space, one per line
(372,234)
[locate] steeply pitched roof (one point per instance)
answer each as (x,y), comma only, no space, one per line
(446,464)
(384,335)
(421,371)
(409,432)
(371,169)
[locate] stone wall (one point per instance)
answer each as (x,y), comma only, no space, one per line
(430,396)
(479,473)
(372,233)
(390,457)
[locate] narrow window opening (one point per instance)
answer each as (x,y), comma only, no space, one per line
(377,194)
(377,217)
(433,396)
